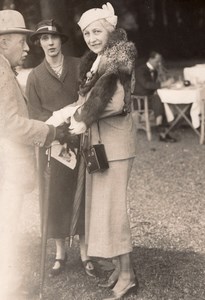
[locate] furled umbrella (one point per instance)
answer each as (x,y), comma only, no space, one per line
(45,208)
(78,199)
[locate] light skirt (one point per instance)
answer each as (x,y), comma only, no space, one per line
(107,225)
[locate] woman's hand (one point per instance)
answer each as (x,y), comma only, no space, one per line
(62,115)
(76,128)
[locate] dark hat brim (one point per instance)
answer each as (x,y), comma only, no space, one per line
(36,35)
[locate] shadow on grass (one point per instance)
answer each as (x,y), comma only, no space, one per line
(162,275)
(169,275)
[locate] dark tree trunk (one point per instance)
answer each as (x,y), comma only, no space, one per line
(52,9)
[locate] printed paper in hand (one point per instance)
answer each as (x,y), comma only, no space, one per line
(64,155)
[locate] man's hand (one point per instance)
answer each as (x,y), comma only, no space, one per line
(73,142)
(62,133)
(167,83)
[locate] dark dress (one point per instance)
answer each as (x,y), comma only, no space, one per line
(47,93)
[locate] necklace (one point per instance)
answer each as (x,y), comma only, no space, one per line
(55,67)
(58,69)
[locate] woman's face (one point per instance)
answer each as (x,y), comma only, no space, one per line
(96,36)
(51,44)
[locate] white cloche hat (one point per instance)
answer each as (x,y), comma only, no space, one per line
(94,14)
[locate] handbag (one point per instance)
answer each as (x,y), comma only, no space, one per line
(95,157)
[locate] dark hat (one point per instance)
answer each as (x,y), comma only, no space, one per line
(48,27)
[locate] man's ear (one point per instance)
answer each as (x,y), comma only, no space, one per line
(4,43)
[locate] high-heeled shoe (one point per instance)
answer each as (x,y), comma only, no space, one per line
(109,284)
(112,280)
(132,287)
(62,263)
(89,268)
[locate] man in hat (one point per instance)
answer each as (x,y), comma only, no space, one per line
(18,136)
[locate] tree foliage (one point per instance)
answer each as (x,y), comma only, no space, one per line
(173,27)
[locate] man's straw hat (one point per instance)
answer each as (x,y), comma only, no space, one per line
(11,21)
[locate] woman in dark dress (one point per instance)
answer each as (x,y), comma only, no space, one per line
(50,86)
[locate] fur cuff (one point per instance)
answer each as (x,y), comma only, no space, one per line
(98,99)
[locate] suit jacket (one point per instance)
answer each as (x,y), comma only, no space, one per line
(106,94)
(18,134)
(145,82)
(116,132)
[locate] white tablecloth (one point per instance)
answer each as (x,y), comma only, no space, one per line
(184,95)
(195,74)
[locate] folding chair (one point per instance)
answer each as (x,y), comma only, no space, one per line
(141,114)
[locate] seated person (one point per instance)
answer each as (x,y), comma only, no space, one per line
(148,78)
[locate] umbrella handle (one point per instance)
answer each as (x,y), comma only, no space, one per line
(71,241)
(49,156)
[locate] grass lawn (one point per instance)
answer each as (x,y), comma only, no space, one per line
(167,212)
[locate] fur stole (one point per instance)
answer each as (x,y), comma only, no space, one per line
(116,63)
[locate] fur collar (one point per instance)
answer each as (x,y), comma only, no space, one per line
(118,57)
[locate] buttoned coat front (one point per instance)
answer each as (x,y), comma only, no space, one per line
(47,93)
(18,134)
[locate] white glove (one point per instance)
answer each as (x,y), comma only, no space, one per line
(61,116)
(76,128)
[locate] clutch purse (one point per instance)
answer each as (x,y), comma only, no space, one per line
(95,158)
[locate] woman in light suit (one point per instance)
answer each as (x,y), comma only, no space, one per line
(105,113)
(106,74)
